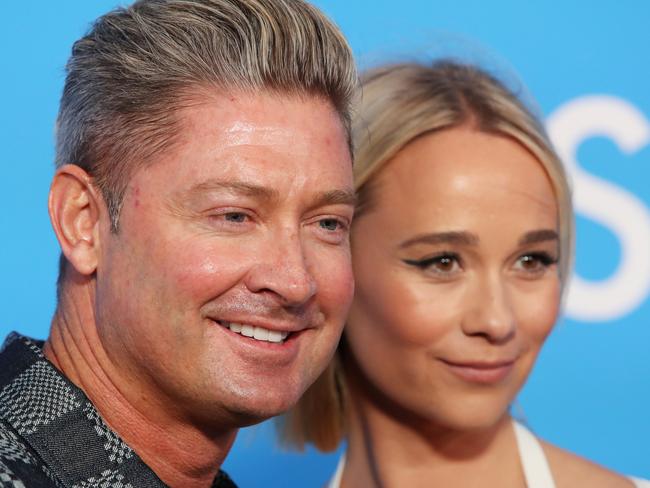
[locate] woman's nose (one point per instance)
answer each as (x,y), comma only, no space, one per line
(491,313)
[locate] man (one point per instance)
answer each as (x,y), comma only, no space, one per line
(202,201)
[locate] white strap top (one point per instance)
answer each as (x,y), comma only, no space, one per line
(533,461)
(335,482)
(536,468)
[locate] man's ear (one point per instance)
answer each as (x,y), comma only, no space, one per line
(74,205)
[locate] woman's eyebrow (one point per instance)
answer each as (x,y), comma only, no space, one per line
(536,236)
(452,237)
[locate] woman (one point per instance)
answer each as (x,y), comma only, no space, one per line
(461,248)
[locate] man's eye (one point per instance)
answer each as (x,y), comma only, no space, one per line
(331,225)
(333,230)
(236,217)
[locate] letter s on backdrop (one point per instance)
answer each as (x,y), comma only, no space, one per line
(609,205)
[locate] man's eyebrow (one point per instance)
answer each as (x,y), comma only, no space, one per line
(331,197)
(335,197)
(239,187)
(537,236)
(452,237)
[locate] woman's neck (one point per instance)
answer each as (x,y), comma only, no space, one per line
(386,452)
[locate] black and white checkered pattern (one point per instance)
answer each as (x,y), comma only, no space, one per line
(51,435)
(38,352)
(116,448)
(11,449)
(35,398)
(108,479)
(8,479)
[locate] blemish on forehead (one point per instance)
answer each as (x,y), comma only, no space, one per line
(136,196)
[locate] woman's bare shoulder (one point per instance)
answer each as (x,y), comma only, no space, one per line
(570,470)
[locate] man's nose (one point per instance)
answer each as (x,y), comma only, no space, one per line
(490,313)
(283,270)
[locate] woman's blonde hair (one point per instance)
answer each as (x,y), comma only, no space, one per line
(398,104)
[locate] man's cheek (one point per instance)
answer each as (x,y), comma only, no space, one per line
(209,272)
(336,284)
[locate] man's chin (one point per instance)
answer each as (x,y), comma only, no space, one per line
(250,414)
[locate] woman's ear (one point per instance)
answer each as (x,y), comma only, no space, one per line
(74,207)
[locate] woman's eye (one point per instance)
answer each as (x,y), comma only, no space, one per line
(443,264)
(535,262)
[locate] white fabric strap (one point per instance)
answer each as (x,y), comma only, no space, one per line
(533,460)
(335,482)
(639,483)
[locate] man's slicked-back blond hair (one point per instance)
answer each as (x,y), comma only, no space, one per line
(129,75)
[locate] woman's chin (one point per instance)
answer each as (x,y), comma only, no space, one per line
(464,420)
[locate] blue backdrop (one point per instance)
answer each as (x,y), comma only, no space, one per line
(586,64)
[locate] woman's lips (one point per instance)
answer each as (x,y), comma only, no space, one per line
(478,372)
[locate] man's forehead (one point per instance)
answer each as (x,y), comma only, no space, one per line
(243,113)
(245,132)
(230,146)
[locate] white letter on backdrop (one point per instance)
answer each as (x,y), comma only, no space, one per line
(620,211)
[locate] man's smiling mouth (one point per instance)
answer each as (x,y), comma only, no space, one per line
(255,332)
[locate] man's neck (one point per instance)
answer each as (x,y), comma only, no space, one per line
(180,453)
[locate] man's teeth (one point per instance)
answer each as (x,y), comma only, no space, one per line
(258,333)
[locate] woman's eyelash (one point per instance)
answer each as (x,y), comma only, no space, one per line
(427,262)
(543,257)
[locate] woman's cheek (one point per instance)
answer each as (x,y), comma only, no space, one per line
(538,313)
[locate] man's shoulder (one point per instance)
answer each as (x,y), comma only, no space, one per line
(19,465)
(21,361)
(51,434)
(17,354)
(223,481)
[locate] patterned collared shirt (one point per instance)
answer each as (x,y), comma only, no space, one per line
(52,436)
